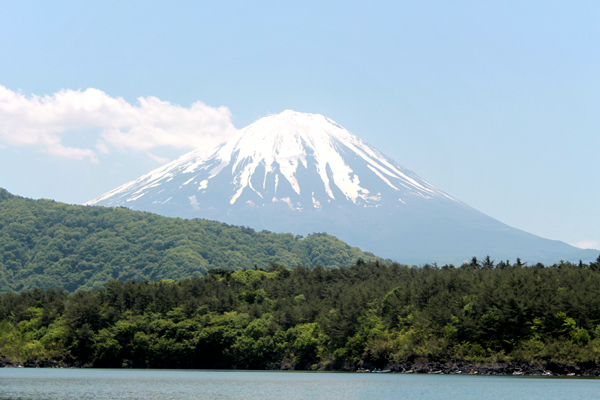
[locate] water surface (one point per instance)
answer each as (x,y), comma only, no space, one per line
(96,384)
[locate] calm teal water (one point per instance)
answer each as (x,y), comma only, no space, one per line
(67,384)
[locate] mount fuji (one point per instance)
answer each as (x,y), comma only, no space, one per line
(303,173)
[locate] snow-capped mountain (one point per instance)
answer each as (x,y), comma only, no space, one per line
(303,173)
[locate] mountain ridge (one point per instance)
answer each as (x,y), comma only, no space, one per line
(303,173)
(48,244)
(282,151)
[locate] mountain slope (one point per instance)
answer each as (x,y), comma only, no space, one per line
(48,244)
(303,160)
(303,173)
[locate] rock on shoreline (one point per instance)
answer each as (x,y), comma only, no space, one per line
(497,368)
(417,367)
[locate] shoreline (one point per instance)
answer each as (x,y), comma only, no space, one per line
(513,368)
(459,367)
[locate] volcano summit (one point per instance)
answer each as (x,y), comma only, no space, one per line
(304,173)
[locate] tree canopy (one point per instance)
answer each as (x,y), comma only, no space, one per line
(367,315)
(46,244)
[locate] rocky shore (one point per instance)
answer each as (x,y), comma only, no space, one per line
(5,363)
(416,367)
(496,368)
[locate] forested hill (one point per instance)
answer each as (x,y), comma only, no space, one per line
(47,244)
(368,315)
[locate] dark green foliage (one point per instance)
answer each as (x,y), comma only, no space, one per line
(47,244)
(369,314)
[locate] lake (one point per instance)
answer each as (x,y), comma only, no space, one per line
(95,384)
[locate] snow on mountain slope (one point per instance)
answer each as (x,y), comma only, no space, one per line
(273,149)
(304,173)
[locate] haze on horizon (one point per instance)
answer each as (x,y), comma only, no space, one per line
(495,104)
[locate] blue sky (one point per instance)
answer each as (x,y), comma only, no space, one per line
(496,103)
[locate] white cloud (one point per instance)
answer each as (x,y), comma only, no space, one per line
(42,121)
(158,159)
(588,244)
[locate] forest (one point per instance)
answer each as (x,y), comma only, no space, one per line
(46,244)
(369,315)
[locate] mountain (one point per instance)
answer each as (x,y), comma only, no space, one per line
(46,244)
(303,173)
